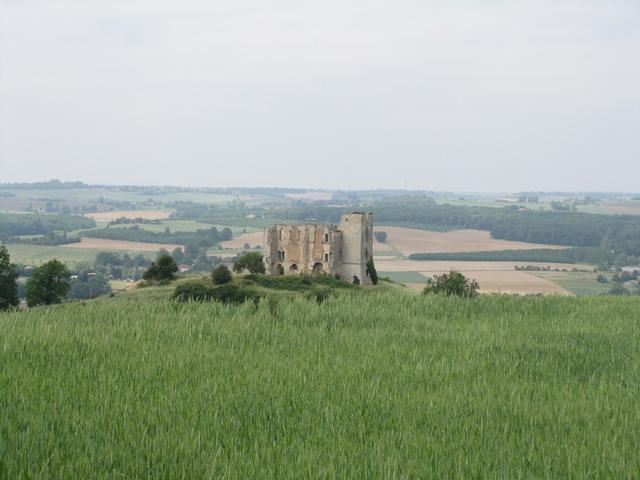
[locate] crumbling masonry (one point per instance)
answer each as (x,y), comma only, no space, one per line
(341,250)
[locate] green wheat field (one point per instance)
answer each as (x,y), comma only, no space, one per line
(375,386)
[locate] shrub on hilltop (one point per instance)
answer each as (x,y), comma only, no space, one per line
(198,292)
(49,284)
(221,275)
(250,261)
(164,268)
(451,284)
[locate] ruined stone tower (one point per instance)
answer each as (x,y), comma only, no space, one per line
(341,250)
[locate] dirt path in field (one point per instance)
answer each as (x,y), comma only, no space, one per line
(108,245)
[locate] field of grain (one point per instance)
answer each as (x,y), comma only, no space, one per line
(103,244)
(411,240)
(114,214)
(372,386)
(253,239)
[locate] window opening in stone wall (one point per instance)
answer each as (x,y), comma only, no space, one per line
(326,257)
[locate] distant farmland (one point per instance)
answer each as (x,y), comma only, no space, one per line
(105,244)
(412,240)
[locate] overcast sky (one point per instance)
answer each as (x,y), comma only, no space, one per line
(465,95)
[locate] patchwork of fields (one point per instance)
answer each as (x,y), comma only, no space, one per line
(390,257)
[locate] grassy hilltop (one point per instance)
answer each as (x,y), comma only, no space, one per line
(359,386)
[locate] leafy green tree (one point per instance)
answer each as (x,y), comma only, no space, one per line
(88,286)
(107,258)
(226,234)
(204,263)
(178,254)
(451,284)
(8,281)
(251,261)
(371,271)
(380,236)
(49,284)
(164,268)
(221,275)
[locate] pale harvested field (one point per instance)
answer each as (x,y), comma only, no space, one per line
(146,214)
(512,282)
(520,283)
(411,240)
(493,277)
(390,264)
(253,239)
(108,245)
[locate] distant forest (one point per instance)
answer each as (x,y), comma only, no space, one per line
(15,225)
(618,234)
(200,238)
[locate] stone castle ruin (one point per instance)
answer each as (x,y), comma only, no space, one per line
(341,250)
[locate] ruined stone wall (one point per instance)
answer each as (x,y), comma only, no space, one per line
(342,250)
(295,249)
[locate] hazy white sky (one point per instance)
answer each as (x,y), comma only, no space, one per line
(474,95)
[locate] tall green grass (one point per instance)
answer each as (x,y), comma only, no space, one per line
(369,386)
